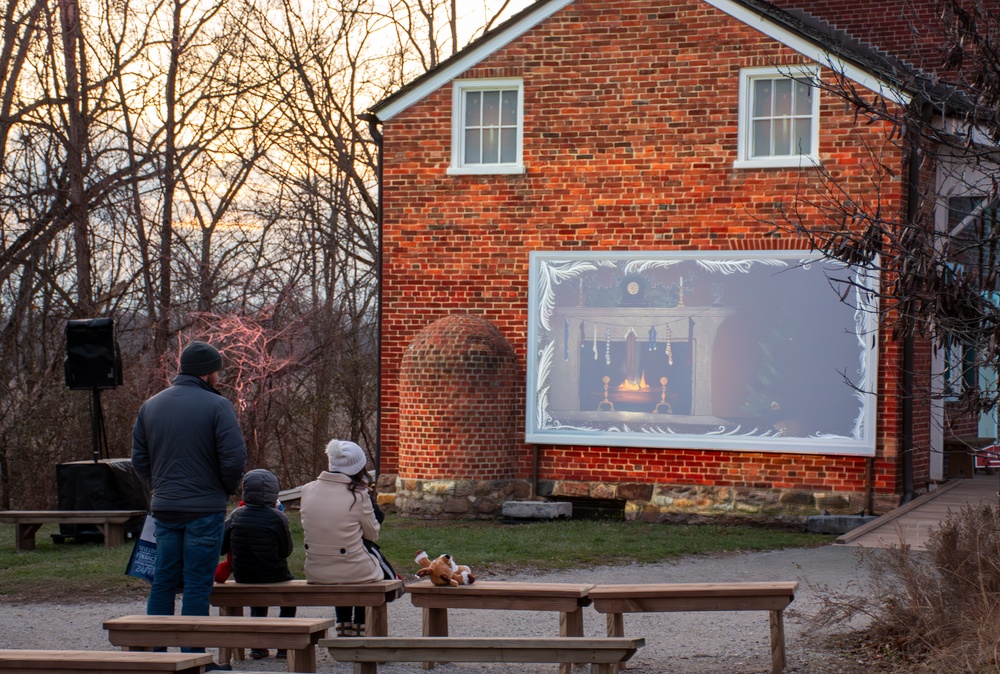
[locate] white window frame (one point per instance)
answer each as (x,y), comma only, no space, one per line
(745,132)
(459,88)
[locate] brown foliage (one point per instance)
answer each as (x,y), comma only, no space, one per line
(937,611)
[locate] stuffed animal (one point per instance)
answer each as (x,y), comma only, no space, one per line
(443,570)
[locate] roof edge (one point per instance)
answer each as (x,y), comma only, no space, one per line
(479,50)
(745,12)
(810,48)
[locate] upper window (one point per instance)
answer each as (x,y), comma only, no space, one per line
(974,239)
(486,126)
(779,118)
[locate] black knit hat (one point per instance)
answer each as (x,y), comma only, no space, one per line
(200,358)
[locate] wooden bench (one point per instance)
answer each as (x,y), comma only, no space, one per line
(569,599)
(601,653)
(298,636)
(231,597)
(773,597)
(66,662)
(110,522)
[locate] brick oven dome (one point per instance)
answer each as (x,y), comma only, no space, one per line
(455,343)
(457,402)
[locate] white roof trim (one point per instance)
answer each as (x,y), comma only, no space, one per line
(474,55)
(810,50)
(469,58)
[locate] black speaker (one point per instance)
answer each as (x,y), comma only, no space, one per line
(92,357)
(108,484)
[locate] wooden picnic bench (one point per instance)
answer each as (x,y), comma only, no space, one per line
(231,598)
(70,662)
(110,522)
(601,653)
(298,636)
(569,599)
(773,597)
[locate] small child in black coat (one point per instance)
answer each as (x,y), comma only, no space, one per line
(258,535)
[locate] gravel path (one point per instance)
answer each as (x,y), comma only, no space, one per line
(679,643)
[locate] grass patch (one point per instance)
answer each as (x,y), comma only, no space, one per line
(82,572)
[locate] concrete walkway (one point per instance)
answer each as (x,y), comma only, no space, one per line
(912,523)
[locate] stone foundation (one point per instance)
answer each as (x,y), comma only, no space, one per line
(477,499)
(453,499)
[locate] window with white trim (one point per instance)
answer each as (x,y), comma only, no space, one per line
(779,118)
(487,126)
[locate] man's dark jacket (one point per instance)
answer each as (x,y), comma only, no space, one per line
(187,444)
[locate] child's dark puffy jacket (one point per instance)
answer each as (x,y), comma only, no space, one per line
(258,533)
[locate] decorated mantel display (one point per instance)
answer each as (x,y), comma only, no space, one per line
(443,571)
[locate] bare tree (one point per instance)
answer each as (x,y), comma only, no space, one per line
(196,169)
(428,31)
(937,255)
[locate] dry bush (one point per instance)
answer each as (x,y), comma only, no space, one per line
(936,611)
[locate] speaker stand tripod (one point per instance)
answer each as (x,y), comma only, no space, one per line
(97,432)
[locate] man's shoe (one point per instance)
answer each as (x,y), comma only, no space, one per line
(281,654)
(259,653)
(212,667)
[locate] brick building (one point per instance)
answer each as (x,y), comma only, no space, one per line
(546,194)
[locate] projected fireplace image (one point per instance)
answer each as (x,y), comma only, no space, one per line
(671,343)
(638,379)
(721,351)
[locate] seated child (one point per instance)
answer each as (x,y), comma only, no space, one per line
(258,536)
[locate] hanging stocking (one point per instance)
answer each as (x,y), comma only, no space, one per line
(652,338)
(607,346)
(668,349)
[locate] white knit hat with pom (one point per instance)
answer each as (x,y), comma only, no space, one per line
(346,457)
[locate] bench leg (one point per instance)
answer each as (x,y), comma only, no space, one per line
(616,628)
(26,536)
(302,659)
(226,655)
(365,668)
(435,625)
(377,621)
(114,534)
(570,625)
(777,642)
(616,624)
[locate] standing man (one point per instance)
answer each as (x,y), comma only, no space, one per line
(188,446)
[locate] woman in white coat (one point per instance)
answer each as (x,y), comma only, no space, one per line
(337,516)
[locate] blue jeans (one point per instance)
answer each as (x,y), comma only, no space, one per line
(186,556)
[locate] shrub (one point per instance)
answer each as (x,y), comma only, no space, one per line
(937,611)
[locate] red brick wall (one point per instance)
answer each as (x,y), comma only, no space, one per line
(630,122)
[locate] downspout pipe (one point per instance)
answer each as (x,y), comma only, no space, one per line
(376,134)
(909,346)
